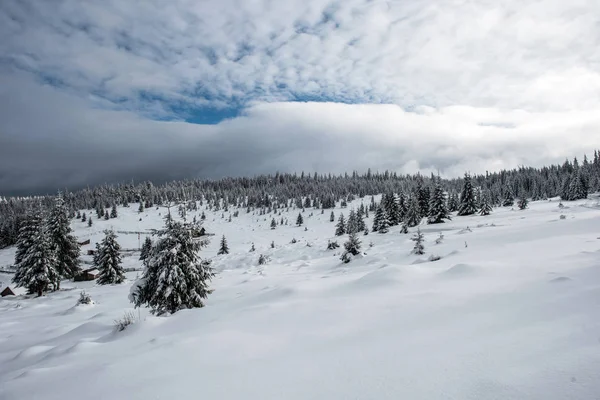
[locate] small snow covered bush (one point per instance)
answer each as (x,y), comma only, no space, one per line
(563,216)
(84,298)
(262,259)
(122,323)
(434,258)
(332,245)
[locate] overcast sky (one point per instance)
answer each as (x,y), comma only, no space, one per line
(113,90)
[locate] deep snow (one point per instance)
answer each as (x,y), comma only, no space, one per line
(514,315)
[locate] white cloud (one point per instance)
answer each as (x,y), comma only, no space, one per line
(533,55)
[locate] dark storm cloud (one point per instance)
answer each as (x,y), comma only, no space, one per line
(52,140)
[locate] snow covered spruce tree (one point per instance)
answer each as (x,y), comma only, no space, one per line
(174,278)
(299,220)
(413,216)
(340,228)
(438,212)
(27,233)
(468,204)
(37,269)
(146,248)
(523,202)
(273,224)
(486,207)
(64,243)
(223,247)
(109,261)
(352,248)
(418,238)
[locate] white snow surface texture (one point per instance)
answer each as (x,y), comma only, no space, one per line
(511,311)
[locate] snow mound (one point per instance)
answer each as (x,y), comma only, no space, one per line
(461,270)
(560,279)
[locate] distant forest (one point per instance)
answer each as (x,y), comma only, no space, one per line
(572,180)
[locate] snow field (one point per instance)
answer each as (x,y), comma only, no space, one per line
(514,315)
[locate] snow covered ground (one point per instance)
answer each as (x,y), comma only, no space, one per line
(511,311)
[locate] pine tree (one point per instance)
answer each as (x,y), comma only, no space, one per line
(404,228)
(351,225)
(332,217)
(113,212)
(468,204)
(224,248)
(141,207)
(109,260)
(419,249)
(106,215)
(89,221)
(438,211)
(413,216)
(486,207)
(453,202)
(423,194)
(299,220)
(523,202)
(28,232)
(174,278)
(352,247)
(509,197)
(340,228)
(381,223)
(64,243)
(37,269)
(83,217)
(146,248)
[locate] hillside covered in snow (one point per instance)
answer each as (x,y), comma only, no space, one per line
(509,311)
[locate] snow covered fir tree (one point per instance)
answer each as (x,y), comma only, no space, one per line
(174,276)
(223,247)
(108,260)
(65,245)
(37,267)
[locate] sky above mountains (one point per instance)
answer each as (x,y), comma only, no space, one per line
(108,91)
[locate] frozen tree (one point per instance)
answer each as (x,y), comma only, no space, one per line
(419,249)
(453,202)
(262,259)
(468,205)
(404,228)
(438,212)
(109,261)
(37,268)
(522,203)
(413,216)
(146,248)
(89,222)
(509,197)
(273,224)
(332,245)
(141,207)
(174,278)
(113,212)
(381,222)
(486,207)
(64,243)
(28,232)
(340,228)
(299,220)
(331,217)
(223,247)
(352,248)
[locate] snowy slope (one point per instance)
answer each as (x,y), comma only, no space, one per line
(514,315)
